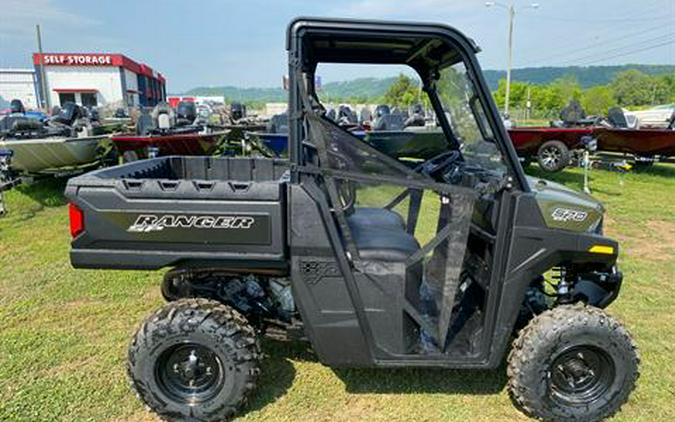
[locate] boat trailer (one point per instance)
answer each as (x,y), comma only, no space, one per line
(7,178)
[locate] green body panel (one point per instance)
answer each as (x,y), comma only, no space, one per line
(563,208)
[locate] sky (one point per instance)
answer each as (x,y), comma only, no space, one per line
(241,42)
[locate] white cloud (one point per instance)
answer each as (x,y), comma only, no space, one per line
(19,17)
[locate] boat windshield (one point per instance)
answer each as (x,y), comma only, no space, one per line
(467,118)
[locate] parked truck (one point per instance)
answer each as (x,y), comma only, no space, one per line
(373,262)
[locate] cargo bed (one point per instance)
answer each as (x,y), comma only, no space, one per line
(188,211)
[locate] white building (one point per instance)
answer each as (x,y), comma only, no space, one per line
(19,84)
(97,79)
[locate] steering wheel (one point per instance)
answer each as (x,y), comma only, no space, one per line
(435,167)
(346,189)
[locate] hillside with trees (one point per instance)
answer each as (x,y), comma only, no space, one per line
(361,89)
(586,76)
(630,88)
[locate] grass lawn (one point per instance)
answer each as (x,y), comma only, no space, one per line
(64,333)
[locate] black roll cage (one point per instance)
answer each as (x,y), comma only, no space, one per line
(302,61)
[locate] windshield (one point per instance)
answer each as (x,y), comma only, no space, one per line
(466,116)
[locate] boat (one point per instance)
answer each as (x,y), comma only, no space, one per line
(412,142)
(528,140)
(132,146)
(274,143)
(644,143)
(64,143)
(55,154)
(416,142)
(166,131)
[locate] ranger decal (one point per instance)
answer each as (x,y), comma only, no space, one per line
(151,223)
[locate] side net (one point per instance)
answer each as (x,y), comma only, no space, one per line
(391,216)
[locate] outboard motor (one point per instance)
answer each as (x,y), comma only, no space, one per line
(186,113)
(120,113)
(93,114)
(68,114)
(237,111)
(572,114)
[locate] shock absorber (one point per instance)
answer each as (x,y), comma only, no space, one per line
(563,288)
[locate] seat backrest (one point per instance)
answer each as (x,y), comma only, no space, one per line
(145,124)
(389,122)
(617,118)
(163,121)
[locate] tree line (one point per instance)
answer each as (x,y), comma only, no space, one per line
(631,89)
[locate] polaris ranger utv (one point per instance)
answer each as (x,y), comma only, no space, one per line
(376,262)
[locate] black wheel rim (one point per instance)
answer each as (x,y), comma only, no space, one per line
(580,375)
(190,373)
(550,157)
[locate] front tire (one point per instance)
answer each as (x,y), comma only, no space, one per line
(194,359)
(553,156)
(573,362)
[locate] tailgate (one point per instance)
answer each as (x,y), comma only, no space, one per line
(150,224)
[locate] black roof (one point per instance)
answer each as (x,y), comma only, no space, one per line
(377,42)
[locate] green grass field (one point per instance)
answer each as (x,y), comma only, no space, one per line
(64,333)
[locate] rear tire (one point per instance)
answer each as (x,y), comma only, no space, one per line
(553,156)
(194,359)
(573,362)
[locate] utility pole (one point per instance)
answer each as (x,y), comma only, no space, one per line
(512,14)
(528,105)
(43,78)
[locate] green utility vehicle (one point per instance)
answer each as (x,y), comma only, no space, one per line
(375,261)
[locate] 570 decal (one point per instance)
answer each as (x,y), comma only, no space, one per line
(564,214)
(151,223)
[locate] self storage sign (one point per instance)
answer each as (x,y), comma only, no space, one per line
(78,59)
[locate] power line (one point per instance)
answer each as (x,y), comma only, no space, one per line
(576,50)
(626,53)
(621,48)
(649,8)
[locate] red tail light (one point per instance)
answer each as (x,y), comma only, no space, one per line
(76,220)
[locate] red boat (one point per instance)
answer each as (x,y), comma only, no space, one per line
(550,146)
(644,143)
(133,147)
